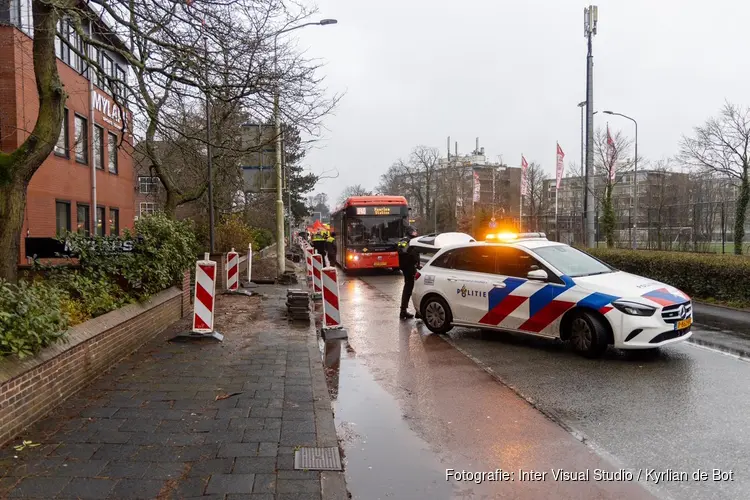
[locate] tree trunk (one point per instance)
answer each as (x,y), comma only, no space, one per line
(17,168)
(740,211)
(12,206)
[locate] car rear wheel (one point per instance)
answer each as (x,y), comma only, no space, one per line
(436,314)
(588,335)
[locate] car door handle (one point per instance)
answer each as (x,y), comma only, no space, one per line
(452,279)
(498,285)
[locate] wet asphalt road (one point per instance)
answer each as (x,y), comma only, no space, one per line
(408,406)
(412,404)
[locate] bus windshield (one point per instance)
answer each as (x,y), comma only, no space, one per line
(374,230)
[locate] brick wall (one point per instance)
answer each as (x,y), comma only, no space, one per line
(31,388)
(187,296)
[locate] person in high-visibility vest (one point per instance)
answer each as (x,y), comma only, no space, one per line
(319,243)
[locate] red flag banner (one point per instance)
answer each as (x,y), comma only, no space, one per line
(560,168)
(524,177)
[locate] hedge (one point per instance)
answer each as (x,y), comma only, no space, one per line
(34,314)
(712,277)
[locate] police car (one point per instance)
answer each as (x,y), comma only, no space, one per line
(526,283)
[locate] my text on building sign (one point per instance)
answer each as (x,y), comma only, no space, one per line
(109,109)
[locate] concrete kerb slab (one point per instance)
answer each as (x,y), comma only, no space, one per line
(334,333)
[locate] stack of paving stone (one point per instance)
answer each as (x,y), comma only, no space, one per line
(298,304)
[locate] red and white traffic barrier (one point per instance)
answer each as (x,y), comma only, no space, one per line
(204,300)
(332,327)
(233,271)
(309,263)
(317,278)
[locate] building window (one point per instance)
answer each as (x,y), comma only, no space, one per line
(108,70)
(112,152)
(61,48)
(147,208)
(83,222)
(120,85)
(62,217)
(114,221)
(96,76)
(100,226)
(98,147)
(148,185)
(61,148)
(82,139)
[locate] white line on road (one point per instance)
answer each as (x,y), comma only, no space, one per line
(719,351)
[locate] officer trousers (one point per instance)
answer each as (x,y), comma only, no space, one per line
(408,288)
(320,247)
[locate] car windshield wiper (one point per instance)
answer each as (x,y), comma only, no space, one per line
(590,274)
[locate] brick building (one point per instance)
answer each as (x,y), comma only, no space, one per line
(91,145)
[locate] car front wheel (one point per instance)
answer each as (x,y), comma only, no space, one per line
(588,335)
(436,314)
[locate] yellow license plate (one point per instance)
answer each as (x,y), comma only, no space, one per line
(379,263)
(683,324)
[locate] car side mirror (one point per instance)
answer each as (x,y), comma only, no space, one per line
(538,275)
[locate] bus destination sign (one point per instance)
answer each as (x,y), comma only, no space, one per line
(378,210)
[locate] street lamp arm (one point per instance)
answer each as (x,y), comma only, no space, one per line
(624,116)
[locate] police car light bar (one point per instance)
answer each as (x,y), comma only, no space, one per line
(515,236)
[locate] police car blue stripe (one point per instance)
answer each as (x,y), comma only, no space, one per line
(497,295)
(596,300)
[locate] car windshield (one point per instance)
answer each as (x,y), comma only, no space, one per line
(572,262)
(374,230)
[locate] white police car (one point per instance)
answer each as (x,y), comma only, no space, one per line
(525,283)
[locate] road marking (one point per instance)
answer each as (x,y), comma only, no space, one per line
(719,351)
(615,462)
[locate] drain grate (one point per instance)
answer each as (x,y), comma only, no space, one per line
(317,459)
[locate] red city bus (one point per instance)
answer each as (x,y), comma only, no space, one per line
(368,229)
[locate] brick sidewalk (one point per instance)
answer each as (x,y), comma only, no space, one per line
(154,428)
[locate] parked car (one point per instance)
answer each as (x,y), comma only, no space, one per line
(528,284)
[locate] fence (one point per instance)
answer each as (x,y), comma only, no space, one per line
(695,227)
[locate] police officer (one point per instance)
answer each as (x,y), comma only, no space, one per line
(331,249)
(408,259)
(319,244)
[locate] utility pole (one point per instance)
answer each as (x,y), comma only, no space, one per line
(590,20)
(211,222)
(280,247)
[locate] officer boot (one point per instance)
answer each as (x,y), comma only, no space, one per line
(405,314)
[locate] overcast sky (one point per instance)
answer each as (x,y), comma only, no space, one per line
(512,74)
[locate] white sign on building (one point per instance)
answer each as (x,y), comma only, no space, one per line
(111,112)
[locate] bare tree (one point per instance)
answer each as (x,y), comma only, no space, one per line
(722,145)
(355,190)
(534,197)
(418,176)
(611,160)
(18,166)
(180,54)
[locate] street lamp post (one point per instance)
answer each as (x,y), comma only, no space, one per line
(591,17)
(280,247)
(635,179)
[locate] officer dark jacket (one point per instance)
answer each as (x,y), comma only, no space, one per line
(408,258)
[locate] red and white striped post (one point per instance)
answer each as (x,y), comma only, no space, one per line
(309,263)
(317,278)
(332,327)
(233,271)
(204,303)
